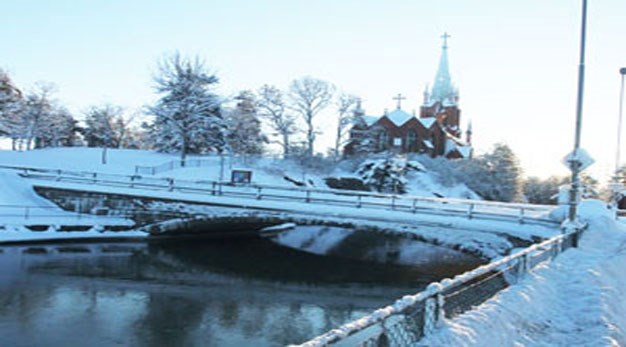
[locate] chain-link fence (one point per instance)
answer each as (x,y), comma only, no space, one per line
(412,317)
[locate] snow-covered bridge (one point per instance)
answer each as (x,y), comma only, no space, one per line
(322,202)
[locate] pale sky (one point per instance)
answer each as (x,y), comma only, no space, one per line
(515,61)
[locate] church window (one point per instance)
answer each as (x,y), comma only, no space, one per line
(411,140)
(397,141)
(383,139)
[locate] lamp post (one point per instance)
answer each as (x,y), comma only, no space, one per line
(616,182)
(576,164)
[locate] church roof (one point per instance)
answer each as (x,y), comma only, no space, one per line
(443,90)
(369,120)
(427,122)
(399,117)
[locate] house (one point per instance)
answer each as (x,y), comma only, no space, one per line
(435,132)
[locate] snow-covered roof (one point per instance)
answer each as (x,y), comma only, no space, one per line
(399,117)
(427,122)
(369,120)
(465,151)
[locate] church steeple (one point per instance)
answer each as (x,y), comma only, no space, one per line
(443,89)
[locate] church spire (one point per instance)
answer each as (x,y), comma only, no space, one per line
(443,90)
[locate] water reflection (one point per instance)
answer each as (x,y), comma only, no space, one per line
(192,293)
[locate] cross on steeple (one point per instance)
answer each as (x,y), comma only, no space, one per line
(445,37)
(399,98)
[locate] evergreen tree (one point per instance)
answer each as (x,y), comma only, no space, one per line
(245,136)
(188,116)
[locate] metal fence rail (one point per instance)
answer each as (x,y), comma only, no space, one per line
(415,316)
(522,213)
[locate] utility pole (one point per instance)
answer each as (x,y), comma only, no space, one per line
(575,164)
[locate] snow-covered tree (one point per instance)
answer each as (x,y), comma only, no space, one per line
(11,104)
(38,109)
(346,104)
(495,175)
(244,126)
(308,97)
(188,116)
(271,106)
(543,191)
(58,129)
(104,126)
(387,175)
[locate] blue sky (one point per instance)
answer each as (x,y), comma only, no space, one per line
(515,62)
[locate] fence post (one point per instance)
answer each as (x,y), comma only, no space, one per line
(433,309)
(213,185)
(470,211)
(414,206)
(308,196)
(393,202)
(521,215)
(26,212)
(258,193)
(219,188)
(94,175)
(358,201)
(171,184)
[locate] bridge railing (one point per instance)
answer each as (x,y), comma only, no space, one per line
(523,213)
(412,317)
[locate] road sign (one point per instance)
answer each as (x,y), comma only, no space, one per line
(578,157)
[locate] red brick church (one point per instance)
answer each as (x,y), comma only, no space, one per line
(435,132)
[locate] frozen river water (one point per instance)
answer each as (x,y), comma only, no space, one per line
(245,292)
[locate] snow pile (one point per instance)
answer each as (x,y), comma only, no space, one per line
(578,299)
(313,239)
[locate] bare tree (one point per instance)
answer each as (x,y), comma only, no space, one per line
(271,106)
(345,115)
(308,97)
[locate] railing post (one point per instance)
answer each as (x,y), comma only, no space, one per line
(358,201)
(213,186)
(433,309)
(470,211)
(94,175)
(414,206)
(258,193)
(26,212)
(521,215)
(393,202)
(219,188)
(171,184)
(308,196)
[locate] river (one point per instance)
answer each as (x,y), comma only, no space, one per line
(195,292)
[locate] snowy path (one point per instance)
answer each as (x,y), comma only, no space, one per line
(578,299)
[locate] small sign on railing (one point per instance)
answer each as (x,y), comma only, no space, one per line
(241,176)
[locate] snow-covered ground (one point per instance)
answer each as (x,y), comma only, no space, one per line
(577,300)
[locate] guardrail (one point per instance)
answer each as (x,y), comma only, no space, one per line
(414,316)
(522,213)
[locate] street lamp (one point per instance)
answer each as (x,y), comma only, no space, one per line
(616,182)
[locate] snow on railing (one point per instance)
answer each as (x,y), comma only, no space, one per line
(522,213)
(414,316)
